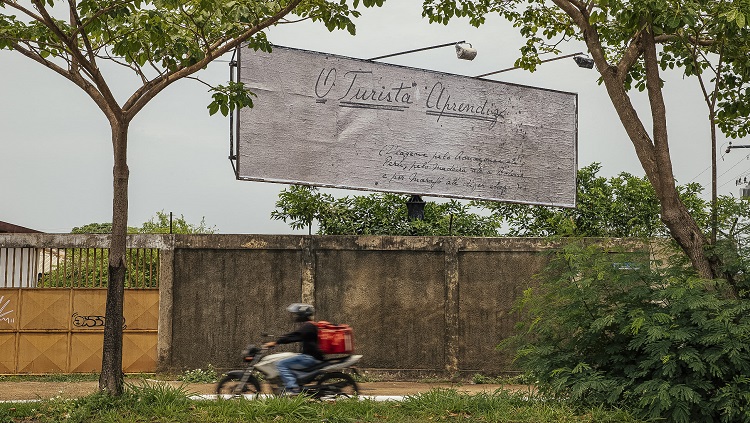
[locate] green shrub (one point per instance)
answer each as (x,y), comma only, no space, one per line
(208,375)
(480,379)
(652,338)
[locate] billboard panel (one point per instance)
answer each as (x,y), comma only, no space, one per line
(332,121)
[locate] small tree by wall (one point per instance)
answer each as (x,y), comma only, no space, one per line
(161,42)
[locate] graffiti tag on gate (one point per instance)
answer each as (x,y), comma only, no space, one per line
(3,313)
(91,321)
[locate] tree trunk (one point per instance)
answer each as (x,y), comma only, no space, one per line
(111,378)
(653,153)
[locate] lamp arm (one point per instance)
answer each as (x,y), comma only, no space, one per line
(518,67)
(417,49)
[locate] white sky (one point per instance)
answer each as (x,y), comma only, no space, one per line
(56,158)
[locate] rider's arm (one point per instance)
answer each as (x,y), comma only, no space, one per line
(290,337)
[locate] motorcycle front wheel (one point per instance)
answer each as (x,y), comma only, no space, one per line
(229,385)
(336,384)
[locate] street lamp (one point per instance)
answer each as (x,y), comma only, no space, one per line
(464,51)
(581,59)
(735,146)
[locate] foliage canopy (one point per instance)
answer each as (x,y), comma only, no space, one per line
(377,214)
(645,336)
(620,206)
(631,43)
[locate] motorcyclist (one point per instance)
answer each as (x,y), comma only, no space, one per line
(306,333)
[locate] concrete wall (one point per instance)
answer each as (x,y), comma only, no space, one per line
(430,304)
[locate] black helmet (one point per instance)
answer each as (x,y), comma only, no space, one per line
(301,311)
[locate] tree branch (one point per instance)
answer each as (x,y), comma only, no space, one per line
(85,85)
(133,67)
(199,33)
(656,100)
(613,82)
(630,56)
(288,21)
(39,59)
(665,38)
(78,56)
(25,11)
(144,94)
(200,80)
(79,29)
(49,22)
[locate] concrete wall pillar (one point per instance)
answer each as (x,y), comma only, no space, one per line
(166,282)
(451,248)
(308,271)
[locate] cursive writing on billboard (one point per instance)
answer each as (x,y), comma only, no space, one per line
(332,121)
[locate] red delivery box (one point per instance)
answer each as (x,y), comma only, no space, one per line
(335,339)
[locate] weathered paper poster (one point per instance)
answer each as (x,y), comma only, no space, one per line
(332,121)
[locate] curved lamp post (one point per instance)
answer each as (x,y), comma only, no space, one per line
(581,59)
(464,51)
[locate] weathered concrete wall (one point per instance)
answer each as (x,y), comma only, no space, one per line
(222,299)
(489,284)
(436,304)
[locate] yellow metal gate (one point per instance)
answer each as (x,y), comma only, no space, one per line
(61,330)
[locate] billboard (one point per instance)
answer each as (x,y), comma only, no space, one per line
(332,121)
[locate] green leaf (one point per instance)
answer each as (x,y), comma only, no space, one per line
(213,108)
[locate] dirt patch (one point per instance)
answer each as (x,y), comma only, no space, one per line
(14,391)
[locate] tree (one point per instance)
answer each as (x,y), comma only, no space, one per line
(629,41)
(86,266)
(158,224)
(163,223)
(301,205)
(621,206)
(161,42)
(378,214)
(95,228)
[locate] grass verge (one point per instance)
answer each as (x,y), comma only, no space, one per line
(53,377)
(153,401)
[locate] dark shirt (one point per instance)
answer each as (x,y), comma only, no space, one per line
(307,334)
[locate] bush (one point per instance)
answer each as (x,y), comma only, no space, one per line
(208,375)
(654,339)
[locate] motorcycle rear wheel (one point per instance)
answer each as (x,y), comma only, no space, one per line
(336,385)
(229,384)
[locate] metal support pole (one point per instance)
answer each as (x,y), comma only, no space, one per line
(233,75)
(518,67)
(735,146)
(417,49)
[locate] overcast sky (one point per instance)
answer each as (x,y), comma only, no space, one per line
(55,148)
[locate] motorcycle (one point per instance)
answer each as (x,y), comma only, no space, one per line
(325,380)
